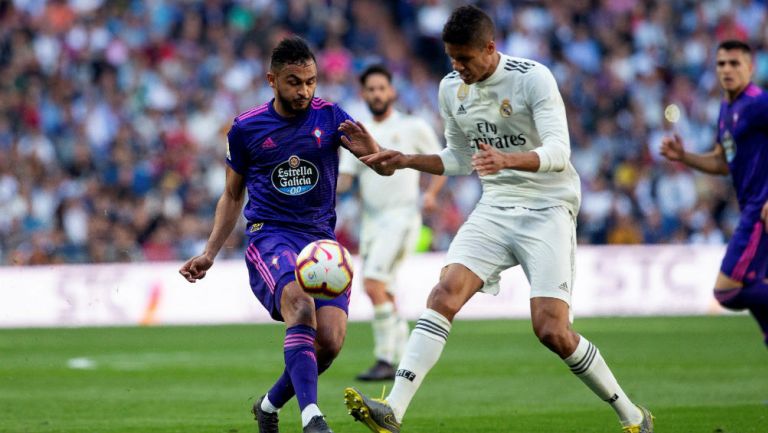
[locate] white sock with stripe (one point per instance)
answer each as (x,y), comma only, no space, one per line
(422,352)
(384,332)
(588,364)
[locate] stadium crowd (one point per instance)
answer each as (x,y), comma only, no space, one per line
(113,114)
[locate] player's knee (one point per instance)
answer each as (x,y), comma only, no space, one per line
(300,309)
(376,290)
(442,300)
(556,338)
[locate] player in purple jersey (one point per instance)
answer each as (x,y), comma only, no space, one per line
(285,154)
(741,150)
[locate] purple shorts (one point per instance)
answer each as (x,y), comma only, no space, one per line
(271,260)
(746,259)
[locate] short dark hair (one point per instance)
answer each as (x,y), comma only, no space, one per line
(734,44)
(292,50)
(375,69)
(468,25)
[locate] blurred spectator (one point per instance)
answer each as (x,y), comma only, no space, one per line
(113,114)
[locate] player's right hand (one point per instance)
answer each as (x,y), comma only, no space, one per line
(195,268)
(672,148)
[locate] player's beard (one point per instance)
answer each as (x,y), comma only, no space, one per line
(380,108)
(288,105)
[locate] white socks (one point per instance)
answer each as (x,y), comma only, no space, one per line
(388,342)
(588,364)
(267,405)
(421,353)
(308,413)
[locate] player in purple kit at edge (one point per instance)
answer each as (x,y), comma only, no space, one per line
(285,154)
(742,151)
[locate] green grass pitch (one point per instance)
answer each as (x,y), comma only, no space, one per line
(697,374)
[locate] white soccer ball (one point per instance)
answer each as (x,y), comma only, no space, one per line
(324,269)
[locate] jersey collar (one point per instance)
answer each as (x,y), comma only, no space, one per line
(496,75)
(277,115)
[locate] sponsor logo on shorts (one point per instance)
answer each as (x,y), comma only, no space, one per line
(563,286)
(256,227)
(406,374)
(295,177)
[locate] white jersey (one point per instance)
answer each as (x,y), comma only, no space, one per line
(408,134)
(517,109)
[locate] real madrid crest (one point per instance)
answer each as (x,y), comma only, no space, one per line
(506,108)
(463,92)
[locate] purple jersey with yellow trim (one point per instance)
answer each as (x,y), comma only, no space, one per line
(743,133)
(290,165)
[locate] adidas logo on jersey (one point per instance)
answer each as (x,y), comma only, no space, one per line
(461,110)
(268,144)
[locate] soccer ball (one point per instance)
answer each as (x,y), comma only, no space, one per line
(324,269)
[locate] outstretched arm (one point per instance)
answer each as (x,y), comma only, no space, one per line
(712,162)
(227,212)
(390,160)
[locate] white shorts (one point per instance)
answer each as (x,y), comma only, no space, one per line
(387,237)
(542,241)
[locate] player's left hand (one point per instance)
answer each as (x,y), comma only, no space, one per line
(488,160)
(357,139)
(196,268)
(764,216)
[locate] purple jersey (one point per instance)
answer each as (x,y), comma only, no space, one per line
(743,133)
(290,165)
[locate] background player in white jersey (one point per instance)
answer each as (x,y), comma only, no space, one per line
(391,216)
(504,117)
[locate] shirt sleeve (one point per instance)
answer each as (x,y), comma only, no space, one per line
(339,116)
(457,155)
(546,104)
(237,153)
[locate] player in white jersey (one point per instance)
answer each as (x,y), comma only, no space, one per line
(391,216)
(504,118)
